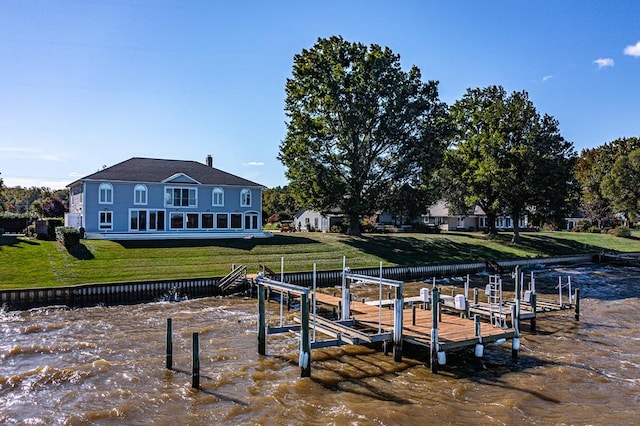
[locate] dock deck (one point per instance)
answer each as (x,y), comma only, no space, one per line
(453,332)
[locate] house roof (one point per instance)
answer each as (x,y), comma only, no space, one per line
(157,170)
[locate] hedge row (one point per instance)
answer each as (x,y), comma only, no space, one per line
(68,236)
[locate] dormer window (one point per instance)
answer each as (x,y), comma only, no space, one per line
(245,198)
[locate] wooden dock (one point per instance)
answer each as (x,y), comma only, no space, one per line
(453,332)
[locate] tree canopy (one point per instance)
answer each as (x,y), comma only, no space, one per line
(507,158)
(359,128)
(607,180)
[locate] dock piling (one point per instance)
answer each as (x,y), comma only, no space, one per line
(577,302)
(195,370)
(435,299)
(169,356)
(262,324)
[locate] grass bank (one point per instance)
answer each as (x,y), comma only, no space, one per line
(32,263)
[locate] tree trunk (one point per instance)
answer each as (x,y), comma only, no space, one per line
(354,225)
(491,224)
(516,228)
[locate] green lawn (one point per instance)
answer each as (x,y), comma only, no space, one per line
(33,263)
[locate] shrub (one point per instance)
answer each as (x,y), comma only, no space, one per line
(621,231)
(584,225)
(68,236)
(594,230)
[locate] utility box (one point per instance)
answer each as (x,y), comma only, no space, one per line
(425,295)
(459,302)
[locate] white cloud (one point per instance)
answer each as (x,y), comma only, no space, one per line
(632,49)
(27,182)
(604,62)
(253,164)
(547,77)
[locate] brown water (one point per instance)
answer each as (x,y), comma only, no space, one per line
(105,365)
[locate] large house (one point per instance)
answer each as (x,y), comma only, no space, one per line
(438,215)
(147,198)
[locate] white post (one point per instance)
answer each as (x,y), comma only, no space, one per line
(521,284)
(560,289)
(532,285)
(466,288)
(346,295)
(570,294)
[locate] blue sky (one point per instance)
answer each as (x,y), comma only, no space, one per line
(89,83)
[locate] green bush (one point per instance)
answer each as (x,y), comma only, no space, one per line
(621,231)
(594,230)
(68,236)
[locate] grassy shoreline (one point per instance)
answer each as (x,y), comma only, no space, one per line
(28,263)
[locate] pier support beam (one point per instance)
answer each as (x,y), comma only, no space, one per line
(262,324)
(577,301)
(397,325)
(305,345)
(534,302)
(435,300)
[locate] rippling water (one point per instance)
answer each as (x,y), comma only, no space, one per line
(105,365)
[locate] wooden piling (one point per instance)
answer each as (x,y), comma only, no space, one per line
(577,307)
(475,296)
(305,368)
(413,315)
(262,325)
(435,299)
(534,300)
(169,358)
(195,370)
(397,325)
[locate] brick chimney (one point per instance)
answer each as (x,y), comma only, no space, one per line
(209,161)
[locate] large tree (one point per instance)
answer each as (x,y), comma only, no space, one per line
(359,128)
(471,170)
(510,159)
(622,184)
(594,167)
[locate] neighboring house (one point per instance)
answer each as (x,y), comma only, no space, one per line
(311,220)
(438,215)
(146,198)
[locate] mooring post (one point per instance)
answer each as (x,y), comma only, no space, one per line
(169,344)
(195,371)
(475,296)
(577,308)
(305,345)
(397,325)
(435,300)
(262,323)
(413,315)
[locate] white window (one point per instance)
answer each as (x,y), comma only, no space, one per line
(217,197)
(251,220)
(140,195)
(105,220)
(245,198)
(180,197)
(106,193)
